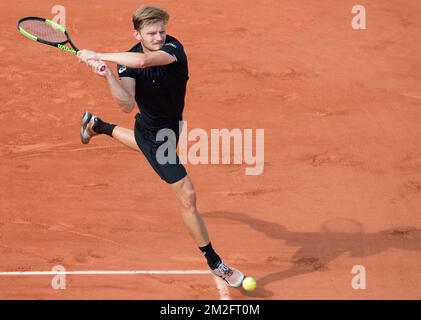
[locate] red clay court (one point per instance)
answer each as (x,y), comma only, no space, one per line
(341,110)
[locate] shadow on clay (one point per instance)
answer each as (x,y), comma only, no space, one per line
(317,249)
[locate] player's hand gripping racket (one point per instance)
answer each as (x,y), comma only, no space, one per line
(48,32)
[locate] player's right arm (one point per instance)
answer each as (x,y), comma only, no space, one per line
(123,91)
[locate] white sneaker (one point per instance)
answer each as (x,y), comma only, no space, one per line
(231,276)
(86,131)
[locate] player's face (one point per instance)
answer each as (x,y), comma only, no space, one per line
(152,36)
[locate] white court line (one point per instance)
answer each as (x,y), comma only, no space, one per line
(222,288)
(220,284)
(40,273)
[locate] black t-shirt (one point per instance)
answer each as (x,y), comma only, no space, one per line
(160,90)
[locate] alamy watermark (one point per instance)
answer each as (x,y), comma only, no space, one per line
(359,20)
(219,146)
(60,15)
(59,280)
(359,280)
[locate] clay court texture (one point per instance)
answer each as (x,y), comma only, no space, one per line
(341,186)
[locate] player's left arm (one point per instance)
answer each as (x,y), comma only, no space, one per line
(130,59)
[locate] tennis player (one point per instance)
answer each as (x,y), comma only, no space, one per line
(154,74)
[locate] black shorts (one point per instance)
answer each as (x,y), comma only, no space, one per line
(146,139)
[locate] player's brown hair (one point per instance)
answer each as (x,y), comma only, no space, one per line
(147,15)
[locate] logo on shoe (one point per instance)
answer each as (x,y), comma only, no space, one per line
(122,69)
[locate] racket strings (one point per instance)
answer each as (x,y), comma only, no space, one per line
(43,31)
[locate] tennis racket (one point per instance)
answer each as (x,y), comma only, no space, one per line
(48,32)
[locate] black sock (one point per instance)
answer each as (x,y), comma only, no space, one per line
(211,256)
(103,127)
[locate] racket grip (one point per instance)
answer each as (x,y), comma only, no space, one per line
(102,68)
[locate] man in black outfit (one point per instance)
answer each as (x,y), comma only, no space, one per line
(154,74)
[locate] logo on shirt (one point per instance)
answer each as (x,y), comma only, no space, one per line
(172,45)
(122,69)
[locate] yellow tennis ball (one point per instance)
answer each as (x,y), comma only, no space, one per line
(249,284)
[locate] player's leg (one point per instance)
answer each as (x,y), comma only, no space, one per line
(126,137)
(192,219)
(93,125)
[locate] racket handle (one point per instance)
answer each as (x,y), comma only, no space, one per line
(102,68)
